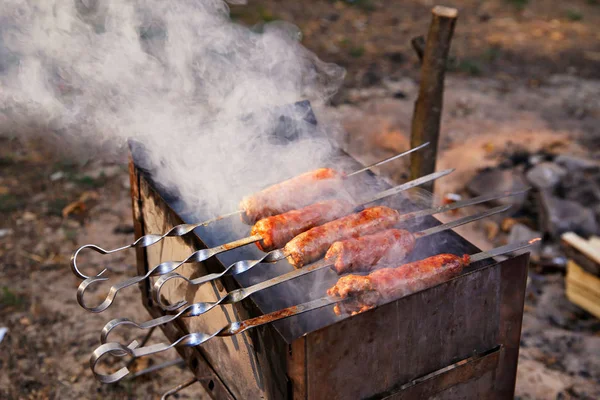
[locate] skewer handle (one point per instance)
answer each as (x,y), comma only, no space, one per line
(193,339)
(143,241)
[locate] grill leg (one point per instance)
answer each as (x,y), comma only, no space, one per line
(177,388)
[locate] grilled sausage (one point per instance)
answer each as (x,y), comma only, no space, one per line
(391,283)
(292,194)
(366,253)
(313,244)
(277,230)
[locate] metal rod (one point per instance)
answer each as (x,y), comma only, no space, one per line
(196,339)
(389,159)
(461,221)
(166,364)
(143,343)
(509,248)
(411,184)
(178,388)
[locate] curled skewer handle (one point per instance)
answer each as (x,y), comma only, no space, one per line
(144,241)
(192,310)
(234,269)
(191,340)
(195,339)
(95,248)
(112,292)
(161,269)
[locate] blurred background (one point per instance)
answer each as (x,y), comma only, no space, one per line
(521,108)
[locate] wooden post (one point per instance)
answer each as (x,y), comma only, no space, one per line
(428,107)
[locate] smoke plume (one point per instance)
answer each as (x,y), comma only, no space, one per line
(200,92)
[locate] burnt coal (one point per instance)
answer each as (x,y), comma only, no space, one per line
(574,163)
(565,197)
(582,187)
(560,216)
(546,175)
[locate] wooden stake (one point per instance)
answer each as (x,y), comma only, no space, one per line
(428,107)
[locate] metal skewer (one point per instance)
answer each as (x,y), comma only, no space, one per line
(392,158)
(245,265)
(184,229)
(238,295)
(204,254)
(195,339)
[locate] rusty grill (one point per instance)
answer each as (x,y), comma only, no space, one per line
(458,339)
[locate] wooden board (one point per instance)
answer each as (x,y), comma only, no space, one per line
(586,253)
(583,288)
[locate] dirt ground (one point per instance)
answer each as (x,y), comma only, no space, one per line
(521,71)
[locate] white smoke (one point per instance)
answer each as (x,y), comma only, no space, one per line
(177,76)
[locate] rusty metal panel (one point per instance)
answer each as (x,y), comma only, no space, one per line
(297,368)
(253,364)
(138,225)
(472,378)
(232,358)
(207,377)
(512,291)
(407,338)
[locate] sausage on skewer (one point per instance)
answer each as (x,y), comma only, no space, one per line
(366,253)
(277,230)
(391,283)
(292,194)
(313,244)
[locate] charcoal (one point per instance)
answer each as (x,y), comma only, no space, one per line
(574,163)
(559,216)
(545,175)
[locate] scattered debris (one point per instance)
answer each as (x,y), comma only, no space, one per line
(5,232)
(28,216)
(3,332)
(450,198)
(491,229)
(105,172)
(123,229)
(57,176)
(81,207)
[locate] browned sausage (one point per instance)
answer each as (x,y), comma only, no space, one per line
(277,230)
(292,194)
(366,253)
(313,244)
(391,283)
